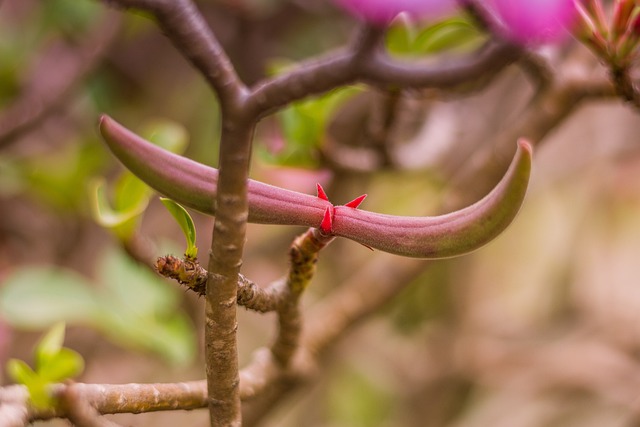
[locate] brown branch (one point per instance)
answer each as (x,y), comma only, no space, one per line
(282,296)
(186,28)
(79,411)
(385,277)
(382,70)
(303,257)
(110,398)
(225,259)
(190,273)
(314,76)
(13,406)
(378,69)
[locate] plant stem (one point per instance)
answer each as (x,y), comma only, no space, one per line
(225,259)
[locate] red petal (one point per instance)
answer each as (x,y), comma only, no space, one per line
(327,223)
(356,202)
(321,194)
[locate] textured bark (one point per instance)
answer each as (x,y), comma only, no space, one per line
(225,260)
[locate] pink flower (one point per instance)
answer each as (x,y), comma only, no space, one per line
(380,12)
(533,21)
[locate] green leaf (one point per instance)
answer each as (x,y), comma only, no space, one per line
(132,198)
(20,372)
(304,126)
(131,195)
(37,387)
(187,226)
(446,35)
(37,297)
(57,177)
(134,308)
(403,39)
(139,310)
(50,344)
(55,363)
(61,366)
(170,336)
(400,37)
(130,289)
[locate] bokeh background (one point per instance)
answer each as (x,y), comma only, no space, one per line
(541,327)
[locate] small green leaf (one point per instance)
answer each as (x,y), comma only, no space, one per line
(186,224)
(133,307)
(39,393)
(63,365)
(450,34)
(50,345)
(131,194)
(454,33)
(132,199)
(37,387)
(20,372)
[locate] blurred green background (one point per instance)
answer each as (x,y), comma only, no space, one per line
(538,328)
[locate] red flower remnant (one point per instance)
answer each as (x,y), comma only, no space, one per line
(321,194)
(327,221)
(356,202)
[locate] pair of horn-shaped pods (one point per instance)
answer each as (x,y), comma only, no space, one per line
(194,185)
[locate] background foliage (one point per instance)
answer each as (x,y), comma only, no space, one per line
(539,328)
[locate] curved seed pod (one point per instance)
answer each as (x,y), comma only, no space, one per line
(194,185)
(447,235)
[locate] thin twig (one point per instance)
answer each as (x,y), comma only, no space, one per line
(384,277)
(303,256)
(370,288)
(190,273)
(382,70)
(377,69)
(110,398)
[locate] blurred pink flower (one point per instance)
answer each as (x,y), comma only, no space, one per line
(380,12)
(534,21)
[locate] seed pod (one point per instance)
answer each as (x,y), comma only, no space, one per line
(194,185)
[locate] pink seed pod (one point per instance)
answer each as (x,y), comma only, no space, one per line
(194,185)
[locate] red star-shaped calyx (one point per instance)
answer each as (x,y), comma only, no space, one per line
(326,226)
